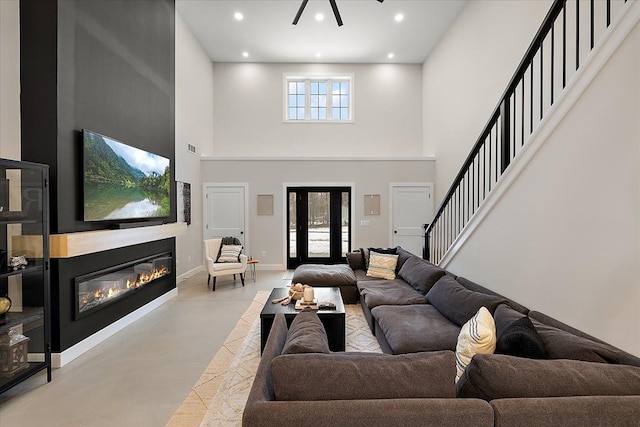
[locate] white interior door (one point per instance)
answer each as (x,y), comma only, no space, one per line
(412,208)
(225,211)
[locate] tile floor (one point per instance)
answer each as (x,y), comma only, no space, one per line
(142,374)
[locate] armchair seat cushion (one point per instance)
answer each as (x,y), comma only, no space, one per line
(226,266)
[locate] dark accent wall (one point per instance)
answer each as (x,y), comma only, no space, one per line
(111,71)
(107,66)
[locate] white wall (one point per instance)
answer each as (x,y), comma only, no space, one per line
(10,79)
(464,77)
(248,113)
(565,237)
(194,109)
(267,233)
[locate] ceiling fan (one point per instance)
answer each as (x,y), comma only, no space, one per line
(334,6)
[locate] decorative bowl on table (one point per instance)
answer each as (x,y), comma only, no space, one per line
(296,291)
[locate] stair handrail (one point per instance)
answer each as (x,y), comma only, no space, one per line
(502,112)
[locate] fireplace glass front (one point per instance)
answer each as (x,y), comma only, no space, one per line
(96,290)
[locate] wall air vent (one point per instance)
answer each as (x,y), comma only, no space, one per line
(191,148)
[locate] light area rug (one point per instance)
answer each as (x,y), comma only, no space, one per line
(219,396)
(288,275)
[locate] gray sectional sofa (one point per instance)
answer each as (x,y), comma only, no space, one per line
(544,373)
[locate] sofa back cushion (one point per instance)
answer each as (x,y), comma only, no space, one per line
(354,376)
(457,303)
(620,355)
(355,260)
(561,344)
(306,334)
(403,256)
(473,286)
(420,274)
(500,376)
(504,316)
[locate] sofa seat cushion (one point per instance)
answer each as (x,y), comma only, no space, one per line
(224,266)
(500,376)
(414,328)
(420,274)
(361,275)
(389,292)
(306,334)
(457,303)
(324,275)
(353,376)
(369,283)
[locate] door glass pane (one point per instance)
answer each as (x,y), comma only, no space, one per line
(293,233)
(319,223)
(345,223)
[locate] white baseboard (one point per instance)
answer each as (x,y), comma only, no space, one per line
(58,360)
(277,267)
(190,273)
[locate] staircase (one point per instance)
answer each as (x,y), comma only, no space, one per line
(546,208)
(572,44)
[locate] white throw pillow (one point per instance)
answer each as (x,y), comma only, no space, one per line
(230,253)
(477,336)
(382,266)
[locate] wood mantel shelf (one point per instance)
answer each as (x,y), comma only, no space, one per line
(70,245)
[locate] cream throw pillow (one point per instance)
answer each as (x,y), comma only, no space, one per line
(230,253)
(477,336)
(382,266)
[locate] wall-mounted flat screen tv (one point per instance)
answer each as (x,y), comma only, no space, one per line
(123,182)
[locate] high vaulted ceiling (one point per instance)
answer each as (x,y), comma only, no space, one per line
(371,30)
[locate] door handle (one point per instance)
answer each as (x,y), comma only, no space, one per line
(395,231)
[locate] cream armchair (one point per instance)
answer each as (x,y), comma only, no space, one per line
(215,269)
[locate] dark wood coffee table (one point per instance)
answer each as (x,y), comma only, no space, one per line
(333,320)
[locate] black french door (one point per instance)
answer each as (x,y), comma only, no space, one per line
(319,225)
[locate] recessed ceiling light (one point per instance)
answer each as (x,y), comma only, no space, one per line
(399,17)
(390,56)
(319,17)
(239,16)
(245,54)
(318,55)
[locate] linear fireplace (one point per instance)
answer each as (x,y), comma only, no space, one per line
(99,289)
